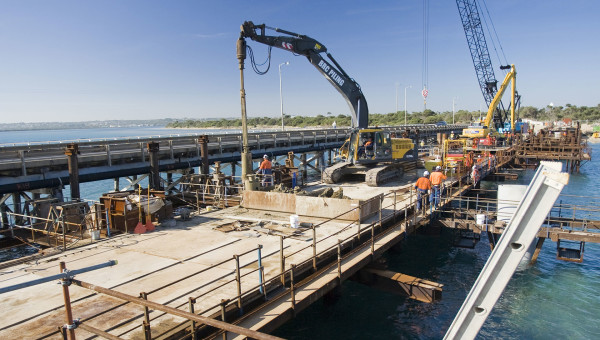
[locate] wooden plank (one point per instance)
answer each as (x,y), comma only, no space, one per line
(402,284)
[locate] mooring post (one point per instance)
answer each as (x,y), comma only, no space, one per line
(154,179)
(191,303)
(71,151)
(65,282)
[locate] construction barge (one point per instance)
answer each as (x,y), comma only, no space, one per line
(233,263)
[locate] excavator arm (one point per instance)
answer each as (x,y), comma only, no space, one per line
(313,51)
(511,75)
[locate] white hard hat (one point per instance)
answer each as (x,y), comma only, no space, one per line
(438,167)
(265,156)
(426,173)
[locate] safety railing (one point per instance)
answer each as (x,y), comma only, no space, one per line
(281,282)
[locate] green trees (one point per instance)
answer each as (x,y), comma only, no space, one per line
(582,113)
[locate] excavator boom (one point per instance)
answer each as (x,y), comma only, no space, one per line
(511,75)
(313,51)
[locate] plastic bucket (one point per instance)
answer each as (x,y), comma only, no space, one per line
(480,219)
(95,234)
(294,221)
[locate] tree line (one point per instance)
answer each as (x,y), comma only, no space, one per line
(581,113)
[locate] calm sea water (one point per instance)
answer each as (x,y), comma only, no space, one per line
(552,299)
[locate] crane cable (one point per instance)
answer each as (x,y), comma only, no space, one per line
(493,37)
(425,70)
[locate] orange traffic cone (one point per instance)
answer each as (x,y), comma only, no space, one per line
(139,228)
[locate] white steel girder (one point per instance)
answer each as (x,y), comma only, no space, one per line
(535,205)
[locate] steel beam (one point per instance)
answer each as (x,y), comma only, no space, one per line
(523,227)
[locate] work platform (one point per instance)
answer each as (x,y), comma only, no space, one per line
(241,265)
(289,268)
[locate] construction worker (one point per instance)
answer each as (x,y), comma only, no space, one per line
(422,186)
(266,171)
(436,178)
(366,148)
(475,176)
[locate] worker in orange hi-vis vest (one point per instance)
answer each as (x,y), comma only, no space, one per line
(266,171)
(422,186)
(437,178)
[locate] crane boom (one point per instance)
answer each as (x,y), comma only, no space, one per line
(471,21)
(312,50)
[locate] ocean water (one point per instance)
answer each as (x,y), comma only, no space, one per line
(549,300)
(552,299)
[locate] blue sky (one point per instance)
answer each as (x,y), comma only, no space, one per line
(88,60)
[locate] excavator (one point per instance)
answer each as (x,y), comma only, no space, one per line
(483,129)
(373,152)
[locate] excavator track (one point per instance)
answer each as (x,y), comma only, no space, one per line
(383,174)
(334,173)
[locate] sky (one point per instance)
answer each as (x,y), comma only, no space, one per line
(96,60)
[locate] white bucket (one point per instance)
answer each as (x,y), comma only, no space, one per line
(294,221)
(480,219)
(95,234)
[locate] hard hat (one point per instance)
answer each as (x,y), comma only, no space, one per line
(438,167)
(265,156)
(426,173)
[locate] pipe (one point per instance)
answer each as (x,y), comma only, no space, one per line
(67,298)
(98,332)
(60,276)
(174,311)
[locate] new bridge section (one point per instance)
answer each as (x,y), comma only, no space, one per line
(31,166)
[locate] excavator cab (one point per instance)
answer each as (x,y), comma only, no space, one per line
(374,153)
(370,146)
